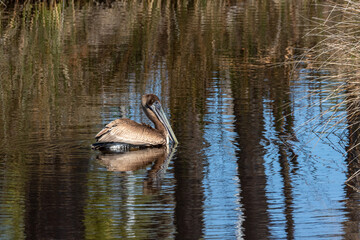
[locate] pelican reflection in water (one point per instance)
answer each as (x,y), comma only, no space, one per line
(141,159)
(125,133)
(132,160)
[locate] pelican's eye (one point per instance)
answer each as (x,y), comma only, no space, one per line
(157,104)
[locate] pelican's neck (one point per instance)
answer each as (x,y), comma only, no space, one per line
(158,124)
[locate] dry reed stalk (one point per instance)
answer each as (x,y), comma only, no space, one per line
(338,54)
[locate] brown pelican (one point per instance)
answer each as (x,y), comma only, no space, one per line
(132,134)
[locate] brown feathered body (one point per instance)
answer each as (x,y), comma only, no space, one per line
(130,132)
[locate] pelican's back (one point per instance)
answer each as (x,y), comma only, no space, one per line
(130,132)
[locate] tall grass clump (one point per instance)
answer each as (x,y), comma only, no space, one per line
(337,57)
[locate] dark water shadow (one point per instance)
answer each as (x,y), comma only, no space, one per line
(352,187)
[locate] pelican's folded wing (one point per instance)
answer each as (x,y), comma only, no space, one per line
(130,132)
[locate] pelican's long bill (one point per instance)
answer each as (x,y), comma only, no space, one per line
(159,112)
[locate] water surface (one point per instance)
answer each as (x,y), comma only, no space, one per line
(250,163)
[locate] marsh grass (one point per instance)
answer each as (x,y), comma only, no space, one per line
(337,57)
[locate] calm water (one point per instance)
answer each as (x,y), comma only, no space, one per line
(68,69)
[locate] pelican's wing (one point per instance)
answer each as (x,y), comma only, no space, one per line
(130,132)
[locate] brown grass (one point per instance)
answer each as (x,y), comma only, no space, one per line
(338,55)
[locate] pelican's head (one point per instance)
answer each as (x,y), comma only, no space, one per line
(152,108)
